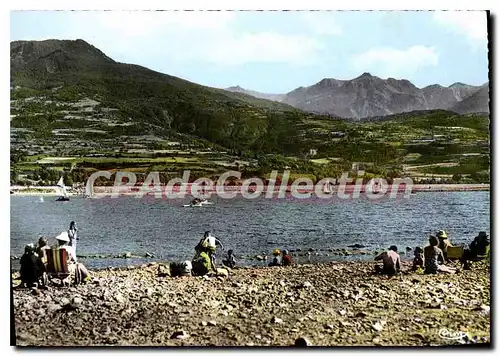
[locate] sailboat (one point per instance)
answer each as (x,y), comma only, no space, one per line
(63,195)
(89,190)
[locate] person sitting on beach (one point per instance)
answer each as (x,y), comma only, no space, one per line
(63,242)
(201,263)
(432,256)
(77,270)
(32,268)
(418,259)
(444,242)
(230,260)
(277,258)
(41,250)
(478,249)
(287,258)
(72,234)
(391,261)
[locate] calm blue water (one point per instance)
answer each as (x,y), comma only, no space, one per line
(170,231)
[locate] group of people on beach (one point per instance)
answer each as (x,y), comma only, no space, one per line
(432,259)
(37,262)
(281,258)
(204,260)
(35,270)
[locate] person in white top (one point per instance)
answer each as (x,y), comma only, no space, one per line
(212,243)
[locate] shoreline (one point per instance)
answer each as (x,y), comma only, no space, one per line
(330,304)
(104,191)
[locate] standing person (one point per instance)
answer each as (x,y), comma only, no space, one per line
(72,234)
(211,243)
(391,261)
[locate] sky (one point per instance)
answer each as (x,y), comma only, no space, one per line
(276,52)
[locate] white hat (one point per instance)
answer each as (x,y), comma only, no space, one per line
(63,236)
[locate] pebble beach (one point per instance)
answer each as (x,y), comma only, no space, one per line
(331,304)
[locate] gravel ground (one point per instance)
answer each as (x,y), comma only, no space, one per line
(330,304)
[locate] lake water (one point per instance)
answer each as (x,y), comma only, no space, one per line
(170,231)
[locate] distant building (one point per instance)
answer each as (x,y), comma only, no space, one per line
(337,134)
(423,140)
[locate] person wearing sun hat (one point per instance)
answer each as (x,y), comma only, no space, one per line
(444,242)
(277,258)
(77,270)
(63,241)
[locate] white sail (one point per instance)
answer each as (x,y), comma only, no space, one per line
(327,189)
(62,188)
(89,189)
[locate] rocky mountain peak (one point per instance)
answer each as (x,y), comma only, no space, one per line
(55,55)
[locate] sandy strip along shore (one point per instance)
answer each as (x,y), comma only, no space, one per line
(329,304)
(415,188)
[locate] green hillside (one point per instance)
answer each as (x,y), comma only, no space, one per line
(68,100)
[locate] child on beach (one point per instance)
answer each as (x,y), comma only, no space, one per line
(418,260)
(230,260)
(287,258)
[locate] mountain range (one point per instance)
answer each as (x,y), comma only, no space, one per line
(66,71)
(70,99)
(368,96)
